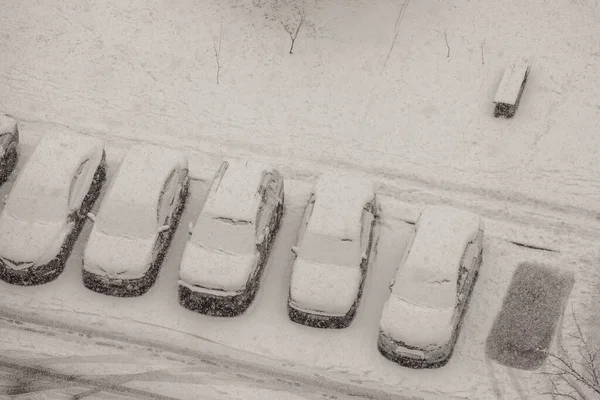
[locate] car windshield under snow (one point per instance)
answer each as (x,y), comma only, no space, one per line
(39,204)
(225,234)
(135,221)
(324,249)
(435,293)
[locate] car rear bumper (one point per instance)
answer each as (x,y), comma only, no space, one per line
(120,287)
(319,320)
(412,358)
(210,303)
(33,275)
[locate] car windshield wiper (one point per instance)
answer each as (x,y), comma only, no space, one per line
(233,221)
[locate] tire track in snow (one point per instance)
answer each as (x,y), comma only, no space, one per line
(373,94)
(276,372)
(71,380)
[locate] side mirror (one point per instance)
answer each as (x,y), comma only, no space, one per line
(164,228)
(295,250)
(91,216)
(190,228)
(363,256)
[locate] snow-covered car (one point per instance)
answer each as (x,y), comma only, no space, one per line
(9,143)
(136,221)
(332,252)
(230,243)
(422,318)
(47,206)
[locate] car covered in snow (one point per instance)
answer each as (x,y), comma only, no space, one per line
(47,206)
(230,243)
(136,221)
(423,315)
(332,252)
(9,143)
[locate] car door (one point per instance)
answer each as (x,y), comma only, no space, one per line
(272,200)
(164,211)
(365,234)
(78,189)
(467,268)
(305,219)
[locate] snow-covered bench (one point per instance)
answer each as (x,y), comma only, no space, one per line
(511,88)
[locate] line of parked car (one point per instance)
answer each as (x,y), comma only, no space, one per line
(230,241)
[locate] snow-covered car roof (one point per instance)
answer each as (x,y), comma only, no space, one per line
(339,202)
(236,196)
(143,172)
(430,273)
(54,163)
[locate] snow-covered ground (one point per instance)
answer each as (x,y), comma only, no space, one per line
(401,92)
(48,363)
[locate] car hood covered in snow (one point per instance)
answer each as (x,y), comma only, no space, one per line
(216,269)
(417,326)
(25,241)
(116,256)
(329,289)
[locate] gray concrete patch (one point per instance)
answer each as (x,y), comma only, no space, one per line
(526,324)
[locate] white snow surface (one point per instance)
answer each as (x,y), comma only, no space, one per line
(511,82)
(33,222)
(214,269)
(237,197)
(7,124)
(327,289)
(339,202)
(430,272)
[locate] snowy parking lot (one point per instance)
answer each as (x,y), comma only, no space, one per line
(265,330)
(400,92)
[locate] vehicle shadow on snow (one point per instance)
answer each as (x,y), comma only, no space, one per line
(527,321)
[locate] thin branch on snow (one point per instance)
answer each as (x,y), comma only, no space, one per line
(217,49)
(447,45)
(294,28)
(481,46)
(578,377)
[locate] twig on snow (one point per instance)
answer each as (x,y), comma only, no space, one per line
(217,49)
(294,28)
(481,46)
